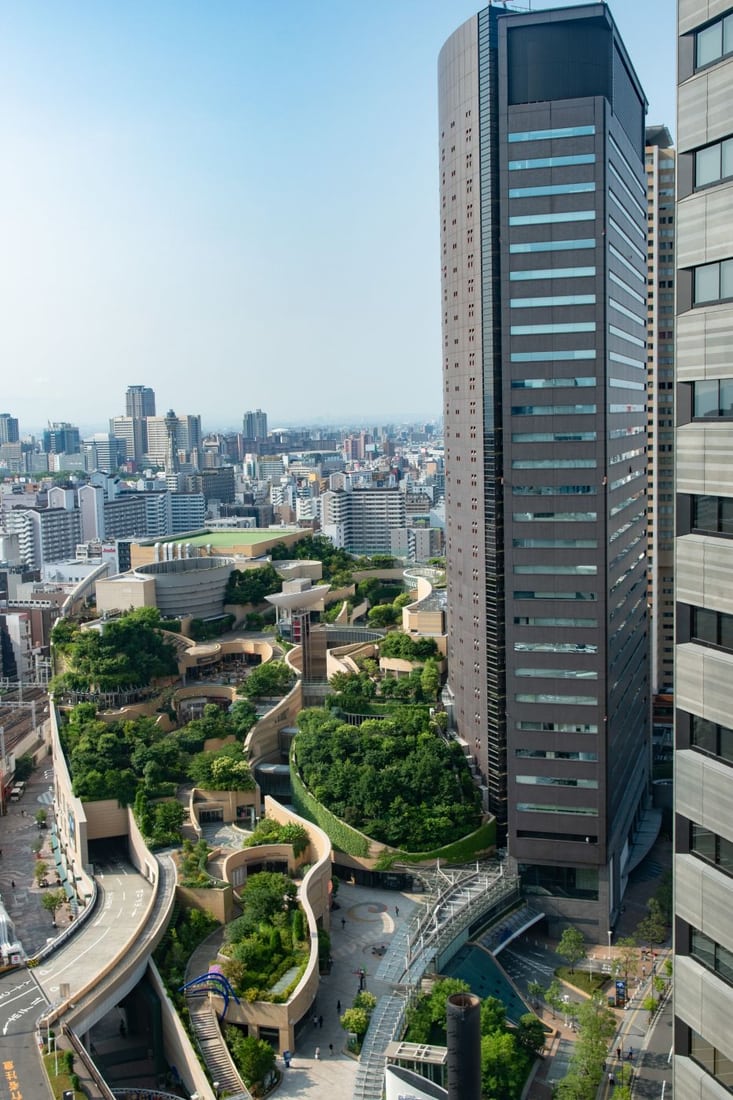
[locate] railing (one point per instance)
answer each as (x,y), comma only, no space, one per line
(458,898)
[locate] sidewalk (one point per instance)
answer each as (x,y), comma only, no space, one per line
(18,831)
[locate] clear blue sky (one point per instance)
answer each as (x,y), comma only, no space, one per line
(233,201)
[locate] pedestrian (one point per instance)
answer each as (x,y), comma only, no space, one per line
(397,910)
(630,1055)
(330,1050)
(611,1079)
(618,1053)
(315,1021)
(338,1007)
(318,1054)
(320,1021)
(343,919)
(12,883)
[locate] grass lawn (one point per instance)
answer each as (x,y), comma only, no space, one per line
(62,1082)
(581,979)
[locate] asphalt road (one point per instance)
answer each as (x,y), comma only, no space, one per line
(21,1003)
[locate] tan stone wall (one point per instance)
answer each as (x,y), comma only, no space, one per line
(218,901)
(315,898)
(176,1043)
(262,743)
(119,594)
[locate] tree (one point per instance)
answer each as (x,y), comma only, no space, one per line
(627,957)
(168,819)
(531,1033)
(571,947)
(536,991)
(553,996)
(384,614)
(503,1065)
(493,1015)
(264,895)
(53,900)
(355,1020)
(272,679)
(650,1004)
(430,680)
(653,928)
(39,870)
(254,1058)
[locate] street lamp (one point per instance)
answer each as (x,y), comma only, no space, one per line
(215,1086)
(610,937)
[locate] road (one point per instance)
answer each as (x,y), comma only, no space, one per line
(21,1003)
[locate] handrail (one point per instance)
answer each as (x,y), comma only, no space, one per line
(89,1062)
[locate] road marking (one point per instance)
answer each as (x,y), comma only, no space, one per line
(21,1013)
(81,953)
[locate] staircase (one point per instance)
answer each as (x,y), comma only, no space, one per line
(213,1049)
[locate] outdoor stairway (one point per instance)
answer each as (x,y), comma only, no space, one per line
(385,1023)
(212,1046)
(205,1025)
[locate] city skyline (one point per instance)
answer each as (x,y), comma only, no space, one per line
(145,240)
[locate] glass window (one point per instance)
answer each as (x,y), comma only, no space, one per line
(549,219)
(726,516)
(537,808)
(554,464)
(528,595)
(551,383)
(555,517)
(707,165)
(706,398)
(707,283)
(554,647)
(727,158)
(551,356)
(560,326)
(640,275)
(554,437)
(552,162)
(558,300)
(726,396)
(558,570)
(554,410)
(726,279)
(551,273)
(553,246)
(635,317)
(702,948)
(725,855)
(544,135)
(724,962)
(709,44)
(538,190)
(702,842)
(636,340)
(625,286)
(617,357)
(557,727)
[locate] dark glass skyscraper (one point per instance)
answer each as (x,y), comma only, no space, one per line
(543,239)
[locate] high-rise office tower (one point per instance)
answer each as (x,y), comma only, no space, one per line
(139,405)
(61,439)
(140,402)
(9,428)
(543,241)
(660,173)
(254,426)
(703,788)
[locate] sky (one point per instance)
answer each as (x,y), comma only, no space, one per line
(234,202)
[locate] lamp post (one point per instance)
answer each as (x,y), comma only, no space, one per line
(610,937)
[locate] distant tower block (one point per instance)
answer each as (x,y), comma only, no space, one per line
(298,604)
(171,449)
(464,1047)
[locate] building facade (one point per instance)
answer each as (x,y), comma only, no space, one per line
(660,173)
(543,253)
(703,787)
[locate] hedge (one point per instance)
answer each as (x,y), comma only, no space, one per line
(341,835)
(460,851)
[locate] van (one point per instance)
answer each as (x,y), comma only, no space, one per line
(17,792)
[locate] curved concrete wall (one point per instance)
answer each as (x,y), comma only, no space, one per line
(315,898)
(189,586)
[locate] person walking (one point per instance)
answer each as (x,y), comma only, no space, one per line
(318,1054)
(320,1021)
(343,919)
(338,1007)
(330,1050)
(397,910)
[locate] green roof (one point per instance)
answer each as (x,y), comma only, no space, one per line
(236,536)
